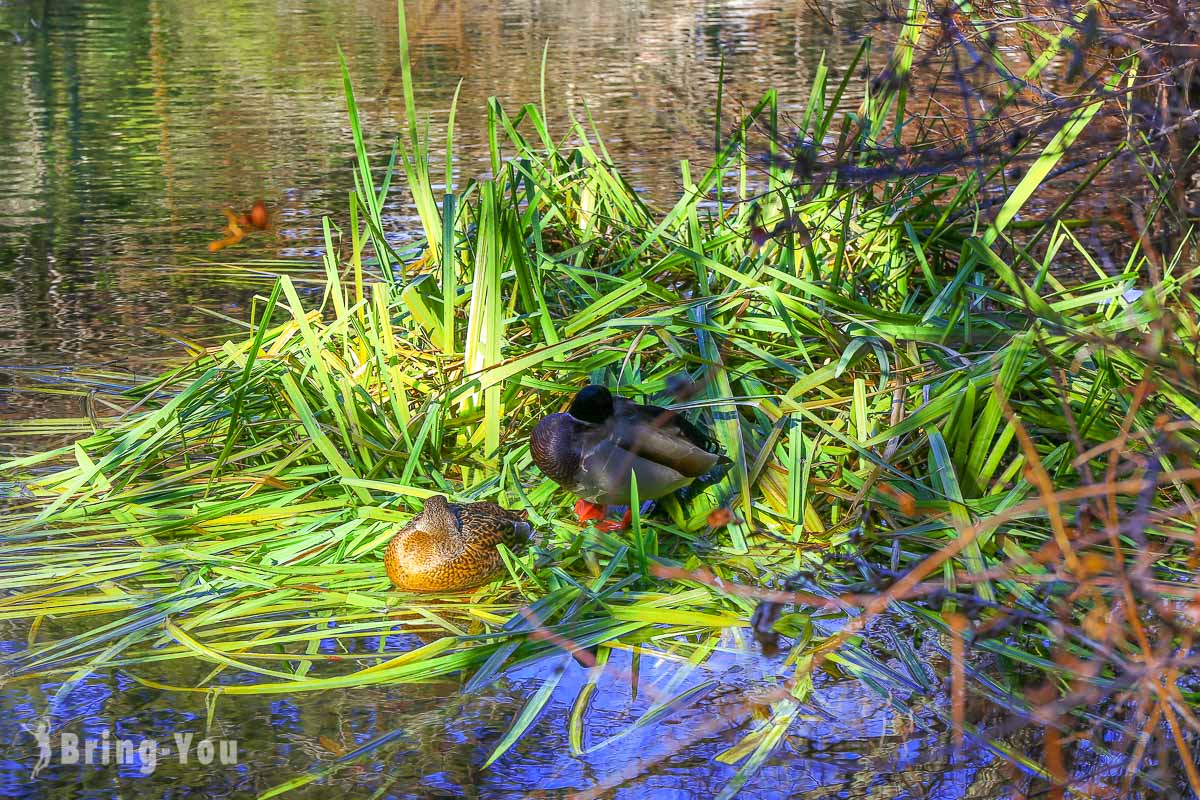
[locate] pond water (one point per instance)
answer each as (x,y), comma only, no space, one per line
(430,741)
(133,123)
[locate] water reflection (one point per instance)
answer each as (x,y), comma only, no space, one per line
(847,742)
(136,122)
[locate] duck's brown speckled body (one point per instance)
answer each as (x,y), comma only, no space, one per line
(452,546)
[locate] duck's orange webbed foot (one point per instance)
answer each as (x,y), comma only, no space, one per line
(587,511)
(611,525)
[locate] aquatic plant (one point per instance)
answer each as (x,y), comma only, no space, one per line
(925,421)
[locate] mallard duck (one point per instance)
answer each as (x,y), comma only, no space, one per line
(452,546)
(593,447)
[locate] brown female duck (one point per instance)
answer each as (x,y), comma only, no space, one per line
(593,448)
(452,546)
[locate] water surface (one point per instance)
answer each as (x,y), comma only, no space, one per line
(132,123)
(431,741)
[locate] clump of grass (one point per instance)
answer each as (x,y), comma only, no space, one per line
(919,425)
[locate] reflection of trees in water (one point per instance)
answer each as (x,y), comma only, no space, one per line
(442,738)
(647,71)
(138,121)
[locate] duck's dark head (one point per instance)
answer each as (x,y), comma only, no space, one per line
(592,404)
(556,447)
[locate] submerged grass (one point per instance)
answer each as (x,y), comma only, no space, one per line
(917,426)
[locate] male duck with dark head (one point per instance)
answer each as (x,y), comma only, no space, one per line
(449,547)
(593,448)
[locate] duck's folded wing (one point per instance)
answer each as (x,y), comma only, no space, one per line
(663,436)
(486,525)
(606,469)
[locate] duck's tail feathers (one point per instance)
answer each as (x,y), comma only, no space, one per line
(710,478)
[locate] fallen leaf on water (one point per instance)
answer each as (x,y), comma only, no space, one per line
(332,746)
(236,234)
(256,217)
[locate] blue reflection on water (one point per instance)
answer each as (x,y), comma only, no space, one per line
(435,739)
(14,779)
(285,715)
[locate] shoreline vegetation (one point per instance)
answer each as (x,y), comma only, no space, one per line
(928,422)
